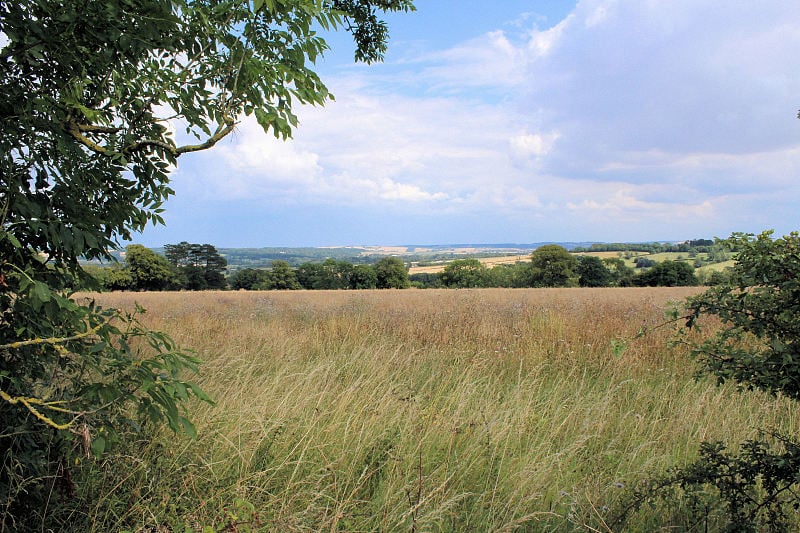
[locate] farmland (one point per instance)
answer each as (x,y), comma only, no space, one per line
(436,410)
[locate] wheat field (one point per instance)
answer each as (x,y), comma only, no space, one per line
(435,410)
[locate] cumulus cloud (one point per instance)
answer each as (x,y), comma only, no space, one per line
(663,116)
(686,77)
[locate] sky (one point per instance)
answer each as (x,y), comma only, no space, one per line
(523,121)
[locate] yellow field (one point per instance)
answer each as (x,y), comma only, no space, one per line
(489,262)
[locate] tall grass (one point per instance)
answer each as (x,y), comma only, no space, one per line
(473,410)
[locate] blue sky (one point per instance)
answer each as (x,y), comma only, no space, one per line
(523,121)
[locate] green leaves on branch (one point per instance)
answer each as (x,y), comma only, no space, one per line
(758,345)
(107,364)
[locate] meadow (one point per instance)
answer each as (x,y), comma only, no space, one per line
(435,410)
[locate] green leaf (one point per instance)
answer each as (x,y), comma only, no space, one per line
(98,445)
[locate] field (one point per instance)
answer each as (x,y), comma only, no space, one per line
(460,410)
(488,262)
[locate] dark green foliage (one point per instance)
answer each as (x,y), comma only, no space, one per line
(199,266)
(465,273)
(248,278)
(622,275)
(668,274)
(757,346)
(553,266)
(759,343)
(391,273)
(363,277)
(426,280)
(693,245)
(150,271)
(282,277)
(328,275)
(717,278)
(754,489)
(592,272)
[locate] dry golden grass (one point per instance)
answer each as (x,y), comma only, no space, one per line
(436,410)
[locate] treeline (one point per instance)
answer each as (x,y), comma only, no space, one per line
(691,246)
(554,266)
(186,266)
(387,273)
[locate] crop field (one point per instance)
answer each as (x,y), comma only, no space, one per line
(436,410)
(488,262)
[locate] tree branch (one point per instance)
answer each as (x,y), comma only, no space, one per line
(222,132)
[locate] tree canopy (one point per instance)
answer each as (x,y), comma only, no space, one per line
(391,273)
(553,266)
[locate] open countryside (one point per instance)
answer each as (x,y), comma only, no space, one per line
(209,322)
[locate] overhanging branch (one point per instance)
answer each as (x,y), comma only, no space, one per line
(77,131)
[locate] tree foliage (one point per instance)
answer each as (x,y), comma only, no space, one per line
(391,273)
(668,274)
(148,270)
(553,266)
(199,265)
(91,94)
(465,273)
(592,272)
(759,307)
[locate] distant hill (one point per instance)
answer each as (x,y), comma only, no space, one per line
(418,254)
(413,253)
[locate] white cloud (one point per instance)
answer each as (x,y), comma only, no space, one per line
(699,76)
(534,145)
(651,118)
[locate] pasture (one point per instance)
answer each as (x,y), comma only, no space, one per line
(436,410)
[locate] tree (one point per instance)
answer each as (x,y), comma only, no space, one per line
(178,254)
(668,274)
(148,270)
(592,272)
(501,276)
(427,280)
(282,277)
(759,306)
(363,277)
(248,278)
(391,273)
(87,92)
(464,273)
(553,266)
(200,265)
(621,273)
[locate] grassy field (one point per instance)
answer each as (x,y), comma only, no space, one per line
(460,410)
